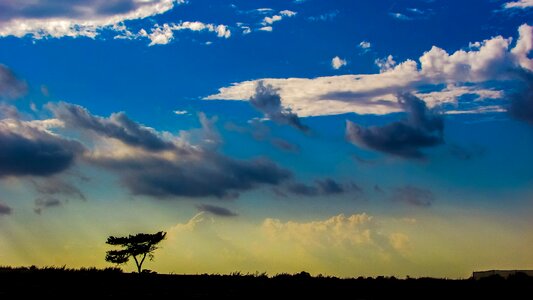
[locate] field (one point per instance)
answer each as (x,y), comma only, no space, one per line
(113,283)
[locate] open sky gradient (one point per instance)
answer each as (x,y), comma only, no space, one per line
(338,137)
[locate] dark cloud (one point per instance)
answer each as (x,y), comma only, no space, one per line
(413,196)
(216,210)
(329,186)
(54,187)
(44,203)
(261,132)
(267,100)
(378,189)
(10,86)
(26,150)
(5,209)
(201,174)
(323,187)
(521,102)
(466,153)
(284,145)
(117,126)
(422,128)
(185,170)
(303,189)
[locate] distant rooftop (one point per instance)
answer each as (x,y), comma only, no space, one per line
(502,273)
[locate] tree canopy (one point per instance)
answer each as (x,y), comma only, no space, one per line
(138,246)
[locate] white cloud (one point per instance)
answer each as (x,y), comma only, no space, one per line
(365,45)
(270,20)
(264,10)
(523,47)
(385,64)
(246,30)
(335,231)
(288,13)
(267,21)
(223,31)
(337,63)
(400,16)
(453,92)
(266,28)
(519,4)
(74,19)
(181,112)
(478,110)
(331,245)
(89,19)
(163,34)
(494,60)
(160,35)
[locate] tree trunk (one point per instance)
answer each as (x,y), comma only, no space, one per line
(137,264)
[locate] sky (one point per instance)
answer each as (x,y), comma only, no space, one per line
(344,138)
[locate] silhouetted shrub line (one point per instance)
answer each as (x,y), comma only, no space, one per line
(22,282)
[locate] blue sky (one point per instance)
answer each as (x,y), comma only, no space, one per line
(386,128)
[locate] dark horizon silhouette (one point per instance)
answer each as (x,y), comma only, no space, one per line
(113,282)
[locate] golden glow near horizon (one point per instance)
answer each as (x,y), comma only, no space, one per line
(345,245)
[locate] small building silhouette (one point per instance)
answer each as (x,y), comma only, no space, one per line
(502,273)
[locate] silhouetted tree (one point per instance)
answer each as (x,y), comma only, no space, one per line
(138,246)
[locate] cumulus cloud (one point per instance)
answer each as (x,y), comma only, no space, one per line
(276,18)
(159,35)
(355,229)
(494,60)
(337,63)
(340,243)
(10,86)
(270,20)
(5,209)
(41,19)
(522,4)
(385,64)
(422,128)
(164,34)
(413,196)
(50,19)
(26,149)
(267,100)
(216,210)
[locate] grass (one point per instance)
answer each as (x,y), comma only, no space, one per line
(113,283)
